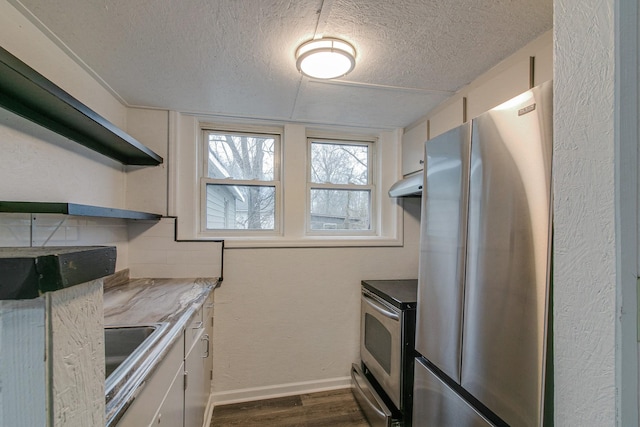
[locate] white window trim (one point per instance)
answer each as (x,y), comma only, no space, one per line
(371,143)
(184,183)
(276,183)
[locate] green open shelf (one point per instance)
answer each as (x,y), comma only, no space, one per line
(75,209)
(29,94)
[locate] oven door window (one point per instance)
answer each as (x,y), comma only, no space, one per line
(377,340)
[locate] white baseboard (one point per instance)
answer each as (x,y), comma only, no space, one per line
(208,412)
(281,390)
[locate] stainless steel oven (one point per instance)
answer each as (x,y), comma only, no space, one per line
(387,336)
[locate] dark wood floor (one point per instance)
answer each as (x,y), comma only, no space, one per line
(336,408)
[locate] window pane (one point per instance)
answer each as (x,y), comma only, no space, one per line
(249,157)
(340,209)
(339,163)
(240,207)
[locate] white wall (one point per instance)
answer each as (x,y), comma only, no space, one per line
(287,320)
(39,165)
(283,316)
(36,163)
(147,186)
(584,214)
(590,342)
(274,302)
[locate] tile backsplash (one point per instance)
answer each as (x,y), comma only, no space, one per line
(42,230)
(59,230)
(146,248)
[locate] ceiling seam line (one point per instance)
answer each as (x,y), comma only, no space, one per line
(323,18)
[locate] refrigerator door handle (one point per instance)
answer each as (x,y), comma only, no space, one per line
(380,309)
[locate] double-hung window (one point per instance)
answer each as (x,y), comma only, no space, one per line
(241,183)
(340,188)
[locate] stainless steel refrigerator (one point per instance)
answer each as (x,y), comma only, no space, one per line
(484,279)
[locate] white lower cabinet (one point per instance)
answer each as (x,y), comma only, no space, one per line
(194,399)
(198,365)
(177,393)
(171,411)
(151,394)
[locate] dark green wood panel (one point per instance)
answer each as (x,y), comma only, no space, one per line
(29,94)
(29,272)
(75,209)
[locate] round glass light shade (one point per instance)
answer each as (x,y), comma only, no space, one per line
(325,58)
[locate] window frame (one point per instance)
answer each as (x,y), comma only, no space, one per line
(370,143)
(184,166)
(276,183)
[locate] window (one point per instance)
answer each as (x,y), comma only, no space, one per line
(261,184)
(340,189)
(241,183)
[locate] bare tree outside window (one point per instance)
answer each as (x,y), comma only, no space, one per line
(242,172)
(340,193)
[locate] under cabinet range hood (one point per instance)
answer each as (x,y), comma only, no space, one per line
(410,186)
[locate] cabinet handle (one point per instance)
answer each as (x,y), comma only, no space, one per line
(422,162)
(206,338)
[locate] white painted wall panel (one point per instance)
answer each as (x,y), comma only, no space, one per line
(63,230)
(28,42)
(287,320)
(52,353)
(22,367)
(76,350)
(504,86)
(584,214)
(147,186)
(154,253)
(37,164)
(447,118)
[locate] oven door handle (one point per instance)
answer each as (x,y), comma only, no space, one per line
(380,309)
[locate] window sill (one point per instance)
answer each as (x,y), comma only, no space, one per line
(310,242)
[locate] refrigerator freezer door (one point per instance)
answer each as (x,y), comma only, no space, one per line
(437,405)
(507,272)
(443,234)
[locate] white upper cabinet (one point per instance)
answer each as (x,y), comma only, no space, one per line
(531,65)
(413,147)
(450,116)
(500,88)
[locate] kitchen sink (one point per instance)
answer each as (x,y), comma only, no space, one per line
(126,344)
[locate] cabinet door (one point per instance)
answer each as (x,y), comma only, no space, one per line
(151,392)
(447,118)
(194,395)
(511,82)
(171,412)
(413,148)
(208,360)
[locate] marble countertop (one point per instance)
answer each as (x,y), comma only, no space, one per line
(144,302)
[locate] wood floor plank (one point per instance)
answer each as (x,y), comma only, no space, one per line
(334,408)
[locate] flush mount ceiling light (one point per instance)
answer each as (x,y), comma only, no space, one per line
(325,58)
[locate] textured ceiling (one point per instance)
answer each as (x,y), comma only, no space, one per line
(236,57)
